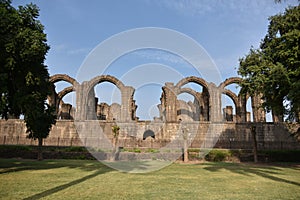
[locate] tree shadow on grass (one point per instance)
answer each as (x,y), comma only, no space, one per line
(17,165)
(264,171)
(67,185)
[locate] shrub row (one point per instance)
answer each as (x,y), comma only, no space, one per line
(215,155)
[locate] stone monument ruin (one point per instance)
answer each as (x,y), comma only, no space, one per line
(232,128)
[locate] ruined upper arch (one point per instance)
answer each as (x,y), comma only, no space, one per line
(65,91)
(63,77)
(192,79)
(189,91)
(232,96)
(229,81)
(106,78)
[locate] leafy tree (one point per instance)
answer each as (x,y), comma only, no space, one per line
(24,79)
(274,68)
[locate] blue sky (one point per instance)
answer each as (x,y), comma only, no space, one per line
(226,29)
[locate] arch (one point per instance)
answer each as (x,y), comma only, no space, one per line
(189,91)
(187,111)
(229,81)
(63,77)
(65,91)
(148,133)
(202,104)
(99,79)
(233,96)
(192,79)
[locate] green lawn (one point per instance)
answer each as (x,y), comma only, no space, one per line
(81,179)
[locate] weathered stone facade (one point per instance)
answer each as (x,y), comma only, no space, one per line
(204,117)
(146,134)
(206,107)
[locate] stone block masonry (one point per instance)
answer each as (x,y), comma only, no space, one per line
(202,121)
(146,134)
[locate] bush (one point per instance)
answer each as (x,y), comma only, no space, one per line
(152,151)
(282,155)
(137,150)
(217,155)
(194,150)
(15,147)
(76,149)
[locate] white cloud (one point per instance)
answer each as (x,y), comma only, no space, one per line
(159,56)
(188,7)
(78,51)
(219,7)
(58,47)
(64,48)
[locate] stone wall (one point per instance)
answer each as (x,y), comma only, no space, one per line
(151,134)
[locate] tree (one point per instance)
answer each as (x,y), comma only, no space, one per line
(24,79)
(274,69)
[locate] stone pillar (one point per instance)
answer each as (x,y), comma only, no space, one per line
(133,110)
(238,113)
(215,103)
(248,117)
(241,109)
(228,113)
(170,102)
(198,116)
(126,107)
(205,105)
(91,109)
(81,101)
(259,114)
(65,112)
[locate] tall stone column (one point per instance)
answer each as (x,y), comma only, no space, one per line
(241,109)
(79,91)
(215,103)
(126,107)
(170,102)
(198,101)
(205,105)
(91,109)
(259,114)
(81,101)
(228,113)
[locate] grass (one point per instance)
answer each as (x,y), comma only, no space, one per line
(85,179)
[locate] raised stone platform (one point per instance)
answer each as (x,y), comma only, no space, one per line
(148,134)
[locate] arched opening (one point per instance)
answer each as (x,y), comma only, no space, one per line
(107,101)
(235,88)
(187,107)
(228,108)
(249,112)
(148,108)
(64,102)
(229,99)
(148,133)
(198,88)
(67,105)
(63,97)
(93,110)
